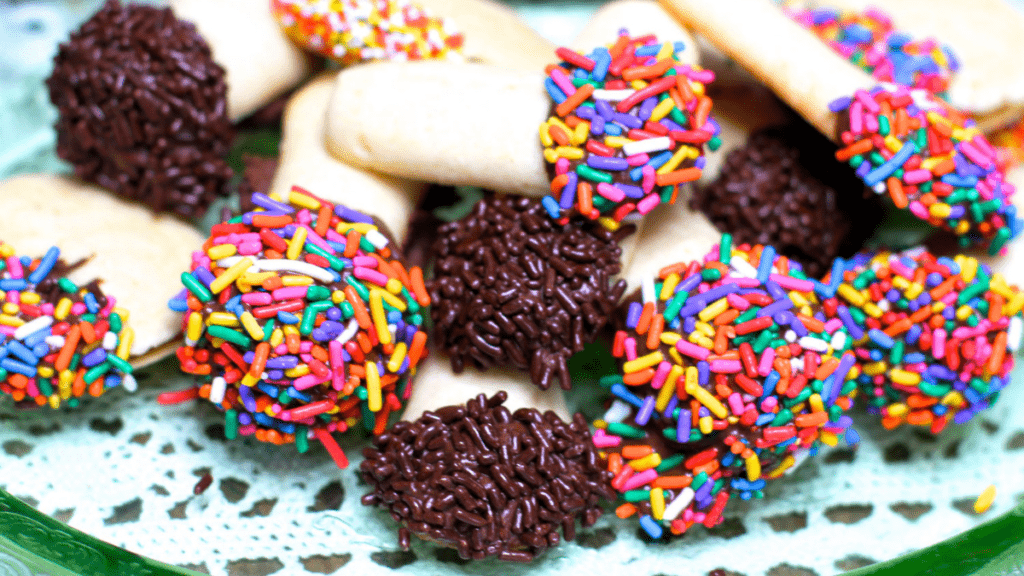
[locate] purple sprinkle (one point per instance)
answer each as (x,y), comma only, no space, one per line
(647,107)
(597,126)
(646,410)
(840,104)
(569,191)
(703,373)
(203,275)
(683,426)
(607,163)
(351,215)
(628,120)
(264,201)
(633,315)
(604,109)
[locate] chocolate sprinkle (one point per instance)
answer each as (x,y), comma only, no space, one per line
(785,188)
(142,109)
(513,287)
(486,481)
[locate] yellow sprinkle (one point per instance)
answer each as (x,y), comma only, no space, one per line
(953,399)
(194,329)
(939,210)
(646,463)
(337,297)
(893,143)
(963,312)
(662,109)
(697,87)
(676,356)
(64,381)
(222,319)
(221,251)
(545,137)
(1014,305)
(390,298)
(900,282)
(124,346)
(658,499)
(29,298)
(60,311)
(395,362)
(962,227)
(394,286)
(296,243)
(872,309)
(555,121)
(6,250)
(670,338)
(252,326)
(684,152)
(254,278)
(616,141)
(798,299)
(361,227)
(12,308)
(968,266)
(985,499)
(666,51)
(828,438)
(249,380)
(645,361)
(45,371)
(897,410)
(380,320)
(875,368)
(580,134)
(705,329)
(300,199)
(54,401)
(8,320)
(712,311)
(964,133)
(936,118)
(373,398)
(851,295)
(816,404)
(914,290)
(293,280)
(998,285)
(904,377)
(600,424)
(779,470)
(668,287)
(701,340)
(569,152)
(753,467)
(300,370)
(668,389)
(706,424)
(230,275)
(276,337)
(638,84)
(705,398)
(290,329)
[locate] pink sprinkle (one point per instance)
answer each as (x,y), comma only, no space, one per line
(985,189)
(791,283)
(865,98)
(871,125)
(737,302)
(649,179)
(562,81)
(745,282)
(939,343)
(832,325)
(308,381)
(334,349)
(7,330)
(648,203)
(281,349)
(983,145)
(610,192)
(305,346)
(857,118)
(725,366)
(289,293)
(736,403)
(247,430)
(333,236)
(562,166)
(918,209)
(639,479)
(257,298)
(917,176)
(304,217)
(312,236)
(974,154)
(602,440)
(47,309)
(78,308)
(660,375)
(638,159)
(690,349)
(370,275)
(764,367)
(250,248)
(31,388)
(13,296)
(769,404)
(14,268)
(629,344)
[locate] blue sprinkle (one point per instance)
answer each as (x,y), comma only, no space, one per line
(46,264)
(625,395)
(554,91)
(651,526)
(891,165)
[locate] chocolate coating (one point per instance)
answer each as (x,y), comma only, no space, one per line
(487,481)
(513,287)
(784,188)
(142,109)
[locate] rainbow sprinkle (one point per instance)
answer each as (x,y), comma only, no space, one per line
(929,159)
(869,40)
(935,336)
(350,31)
(730,374)
(628,126)
(301,322)
(58,340)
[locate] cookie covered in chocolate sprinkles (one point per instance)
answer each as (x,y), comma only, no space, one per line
(513,287)
(784,188)
(142,109)
(487,481)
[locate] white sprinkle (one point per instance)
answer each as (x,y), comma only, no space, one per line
(647,290)
(613,95)
(109,341)
(1013,334)
(348,332)
(55,342)
(742,267)
(618,411)
(29,328)
(812,343)
(376,238)
(796,365)
(879,188)
(217,388)
(129,383)
(678,504)
(306,268)
(838,340)
(790,336)
(649,145)
(229,261)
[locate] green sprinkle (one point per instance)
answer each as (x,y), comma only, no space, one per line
(593,175)
(711,274)
(636,495)
(361,289)
(624,430)
(225,333)
(671,461)
(230,424)
(196,288)
(96,371)
(308,321)
(119,363)
(715,143)
(934,390)
(725,249)
(67,286)
(699,480)
(785,416)
(301,441)
(609,380)
(314,293)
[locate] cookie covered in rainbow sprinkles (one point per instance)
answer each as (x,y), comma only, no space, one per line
(627,127)
(301,320)
(731,373)
(59,342)
(935,336)
(929,159)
